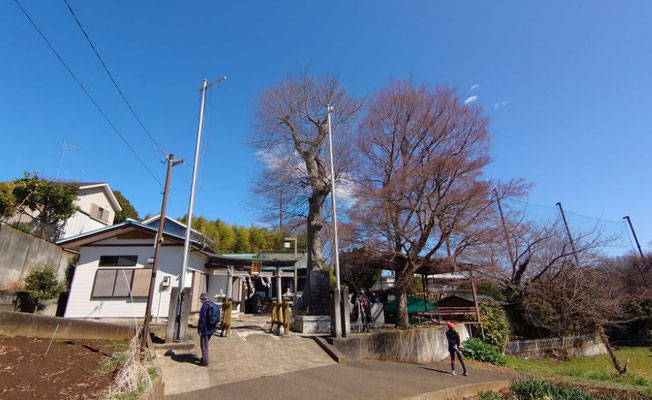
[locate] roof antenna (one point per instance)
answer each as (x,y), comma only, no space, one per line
(65,146)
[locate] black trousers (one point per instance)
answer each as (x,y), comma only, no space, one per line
(453,351)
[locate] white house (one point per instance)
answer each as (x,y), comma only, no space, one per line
(113,273)
(97,207)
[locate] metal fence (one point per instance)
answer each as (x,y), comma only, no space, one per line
(543,346)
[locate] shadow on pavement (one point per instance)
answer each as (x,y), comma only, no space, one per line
(183,358)
(435,370)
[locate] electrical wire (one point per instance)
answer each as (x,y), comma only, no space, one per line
(83,88)
(106,69)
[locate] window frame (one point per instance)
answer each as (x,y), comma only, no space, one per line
(132,261)
(118,275)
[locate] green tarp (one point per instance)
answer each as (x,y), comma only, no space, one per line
(414,305)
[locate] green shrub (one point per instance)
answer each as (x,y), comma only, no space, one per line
(476,349)
(494,325)
(536,389)
(42,285)
(23,227)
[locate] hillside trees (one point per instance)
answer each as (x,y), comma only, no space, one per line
(421,190)
(229,238)
(128,211)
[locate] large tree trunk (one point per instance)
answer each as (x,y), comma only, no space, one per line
(400,290)
(315,255)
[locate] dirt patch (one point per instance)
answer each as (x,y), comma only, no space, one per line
(70,370)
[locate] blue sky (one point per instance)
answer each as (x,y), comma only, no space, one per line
(566,84)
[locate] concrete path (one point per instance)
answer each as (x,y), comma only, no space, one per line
(250,352)
(254,364)
(368,379)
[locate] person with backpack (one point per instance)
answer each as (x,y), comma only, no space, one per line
(209,317)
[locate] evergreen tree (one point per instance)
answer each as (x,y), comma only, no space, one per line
(128,211)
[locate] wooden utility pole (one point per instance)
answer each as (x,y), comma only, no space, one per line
(631,227)
(502,220)
(570,238)
(157,249)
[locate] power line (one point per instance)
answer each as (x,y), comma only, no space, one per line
(106,69)
(83,88)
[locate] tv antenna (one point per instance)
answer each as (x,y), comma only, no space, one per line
(65,146)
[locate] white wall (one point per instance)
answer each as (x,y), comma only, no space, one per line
(80,223)
(97,195)
(80,304)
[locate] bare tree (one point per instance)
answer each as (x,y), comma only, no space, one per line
(551,291)
(289,131)
(421,193)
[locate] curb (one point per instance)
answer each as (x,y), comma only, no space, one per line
(459,392)
(331,350)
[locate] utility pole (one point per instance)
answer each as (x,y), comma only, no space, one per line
(157,249)
(186,244)
(570,238)
(631,227)
(502,220)
(335,245)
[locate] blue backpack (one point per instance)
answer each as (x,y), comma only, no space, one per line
(214,315)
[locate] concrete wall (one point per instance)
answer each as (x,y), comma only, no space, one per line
(422,345)
(30,325)
(21,252)
(580,346)
(80,303)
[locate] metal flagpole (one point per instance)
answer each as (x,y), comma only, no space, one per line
(336,247)
(186,244)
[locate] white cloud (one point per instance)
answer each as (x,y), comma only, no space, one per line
(500,104)
(470,99)
(475,86)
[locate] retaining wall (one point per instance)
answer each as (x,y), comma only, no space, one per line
(422,345)
(581,346)
(21,252)
(31,325)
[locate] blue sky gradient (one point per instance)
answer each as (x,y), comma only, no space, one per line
(566,84)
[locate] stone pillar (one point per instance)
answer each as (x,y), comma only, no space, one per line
(172,314)
(336,313)
(229,282)
(346,313)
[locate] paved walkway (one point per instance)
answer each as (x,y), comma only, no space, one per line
(253,364)
(368,379)
(249,352)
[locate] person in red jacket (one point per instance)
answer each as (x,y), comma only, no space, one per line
(454,347)
(204,327)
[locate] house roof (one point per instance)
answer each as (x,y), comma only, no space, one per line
(157,217)
(90,185)
(269,259)
(75,242)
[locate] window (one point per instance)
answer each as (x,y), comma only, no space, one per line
(114,282)
(99,213)
(118,261)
